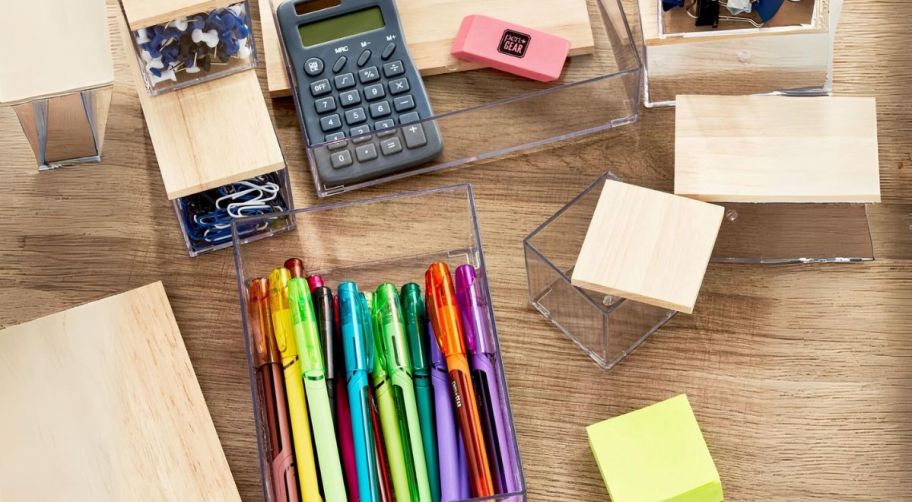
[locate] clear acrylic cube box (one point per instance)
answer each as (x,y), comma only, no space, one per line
(791,54)
(485,113)
(388,239)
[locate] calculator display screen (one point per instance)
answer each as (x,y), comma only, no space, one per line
(342,26)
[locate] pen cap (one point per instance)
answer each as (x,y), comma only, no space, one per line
(473,311)
(278,303)
(390,324)
(415,326)
(260,321)
(442,309)
(358,353)
(315,282)
(371,338)
(296,267)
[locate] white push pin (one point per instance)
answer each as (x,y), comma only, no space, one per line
(237,9)
(194,68)
(156,64)
(165,75)
(181,23)
(146,57)
(210,37)
(142,36)
(244,50)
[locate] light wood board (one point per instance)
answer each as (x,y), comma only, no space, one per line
(209,134)
(777,149)
(144,13)
(431,26)
(648,246)
(798,375)
(100,402)
(53,48)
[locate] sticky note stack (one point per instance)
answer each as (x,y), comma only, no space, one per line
(655,454)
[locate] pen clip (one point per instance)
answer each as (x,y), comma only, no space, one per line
(367,339)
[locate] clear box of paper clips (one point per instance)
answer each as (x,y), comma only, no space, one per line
(737,47)
(388,99)
(180,44)
(349,261)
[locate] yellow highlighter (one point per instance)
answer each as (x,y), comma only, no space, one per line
(294,386)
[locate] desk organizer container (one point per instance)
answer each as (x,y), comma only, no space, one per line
(485,113)
(189,41)
(792,53)
(389,239)
(607,328)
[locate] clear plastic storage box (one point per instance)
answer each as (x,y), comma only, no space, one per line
(486,113)
(389,239)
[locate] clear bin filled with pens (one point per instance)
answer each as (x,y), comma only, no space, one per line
(191,43)
(386,325)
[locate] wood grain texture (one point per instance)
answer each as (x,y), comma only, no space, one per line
(648,246)
(430,27)
(101,403)
(41,66)
(210,134)
(800,376)
(777,149)
(143,13)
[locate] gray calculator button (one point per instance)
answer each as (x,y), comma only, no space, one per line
(368,75)
(388,51)
(390,146)
(407,118)
(350,98)
(366,152)
(313,66)
(362,59)
(355,116)
(393,69)
(335,140)
(331,122)
(325,105)
(320,87)
(363,131)
(373,92)
(414,136)
(385,127)
(380,109)
(340,63)
(341,159)
(403,103)
(399,86)
(344,81)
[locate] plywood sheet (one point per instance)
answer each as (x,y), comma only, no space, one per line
(430,28)
(777,149)
(210,134)
(53,48)
(647,246)
(100,402)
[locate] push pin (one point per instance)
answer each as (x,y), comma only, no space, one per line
(211,37)
(181,23)
(142,36)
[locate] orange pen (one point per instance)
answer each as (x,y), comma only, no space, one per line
(444,316)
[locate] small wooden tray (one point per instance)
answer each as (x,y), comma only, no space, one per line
(101,403)
(647,246)
(431,26)
(777,149)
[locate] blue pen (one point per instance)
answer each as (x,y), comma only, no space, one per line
(359,362)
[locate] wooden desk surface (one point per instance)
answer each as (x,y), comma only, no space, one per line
(801,376)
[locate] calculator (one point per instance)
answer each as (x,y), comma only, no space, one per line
(361,102)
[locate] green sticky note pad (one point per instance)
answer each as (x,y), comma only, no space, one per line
(655,454)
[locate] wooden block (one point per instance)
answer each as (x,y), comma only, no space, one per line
(100,402)
(430,28)
(647,246)
(777,149)
(53,48)
(143,13)
(210,134)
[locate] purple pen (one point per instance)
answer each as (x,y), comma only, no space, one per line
(479,338)
(447,446)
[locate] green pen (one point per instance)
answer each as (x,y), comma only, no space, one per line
(416,331)
(313,371)
(389,325)
(389,418)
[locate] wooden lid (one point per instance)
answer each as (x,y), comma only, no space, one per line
(145,13)
(648,246)
(777,149)
(53,48)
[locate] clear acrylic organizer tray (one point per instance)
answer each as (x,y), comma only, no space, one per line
(370,243)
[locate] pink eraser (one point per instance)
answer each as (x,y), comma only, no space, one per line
(511,48)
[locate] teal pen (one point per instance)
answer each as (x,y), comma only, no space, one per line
(416,333)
